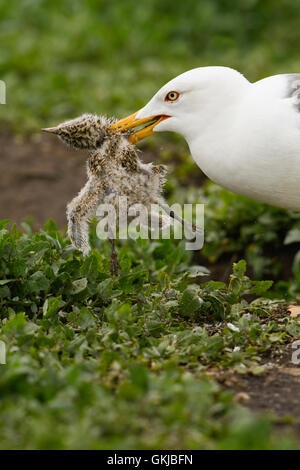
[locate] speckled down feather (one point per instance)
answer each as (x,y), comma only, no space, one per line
(113,169)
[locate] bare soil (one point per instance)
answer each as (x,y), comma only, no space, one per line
(275,391)
(39,177)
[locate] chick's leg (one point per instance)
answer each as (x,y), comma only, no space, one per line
(114,261)
(79,210)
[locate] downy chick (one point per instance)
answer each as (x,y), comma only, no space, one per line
(113,170)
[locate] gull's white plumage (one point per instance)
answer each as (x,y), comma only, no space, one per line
(244,136)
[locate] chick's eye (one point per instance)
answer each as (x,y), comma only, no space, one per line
(172,96)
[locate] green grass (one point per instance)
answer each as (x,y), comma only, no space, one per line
(97,362)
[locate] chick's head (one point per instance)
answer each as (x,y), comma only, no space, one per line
(88,131)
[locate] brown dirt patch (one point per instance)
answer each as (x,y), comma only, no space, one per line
(275,391)
(39,177)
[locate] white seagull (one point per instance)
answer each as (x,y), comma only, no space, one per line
(244,136)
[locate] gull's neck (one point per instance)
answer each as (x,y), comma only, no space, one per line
(210,135)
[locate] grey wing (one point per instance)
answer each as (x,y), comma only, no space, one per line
(283,86)
(293,88)
(286,86)
(293,84)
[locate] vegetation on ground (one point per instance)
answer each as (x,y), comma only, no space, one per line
(99,362)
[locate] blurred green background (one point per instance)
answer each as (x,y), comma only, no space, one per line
(60,58)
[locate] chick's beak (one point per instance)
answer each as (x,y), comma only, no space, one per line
(51,130)
(131,122)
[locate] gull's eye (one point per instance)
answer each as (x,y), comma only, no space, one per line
(172,96)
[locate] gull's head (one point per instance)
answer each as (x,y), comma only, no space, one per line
(187,104)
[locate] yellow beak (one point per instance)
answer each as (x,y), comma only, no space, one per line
(130,122)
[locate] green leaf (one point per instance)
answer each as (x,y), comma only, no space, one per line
(105,289)
(296,267)
(293,236)
(239,269)
(239,283)
(90,267)
(79,285)
(139,376)
(276,337)
(86,318)
(197,271)
(190,302)
(39,282)
(15,325)
(129,282)
(52,305)
(19,268)
(6,281)
(117,313)
(4,223)
(260,287)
